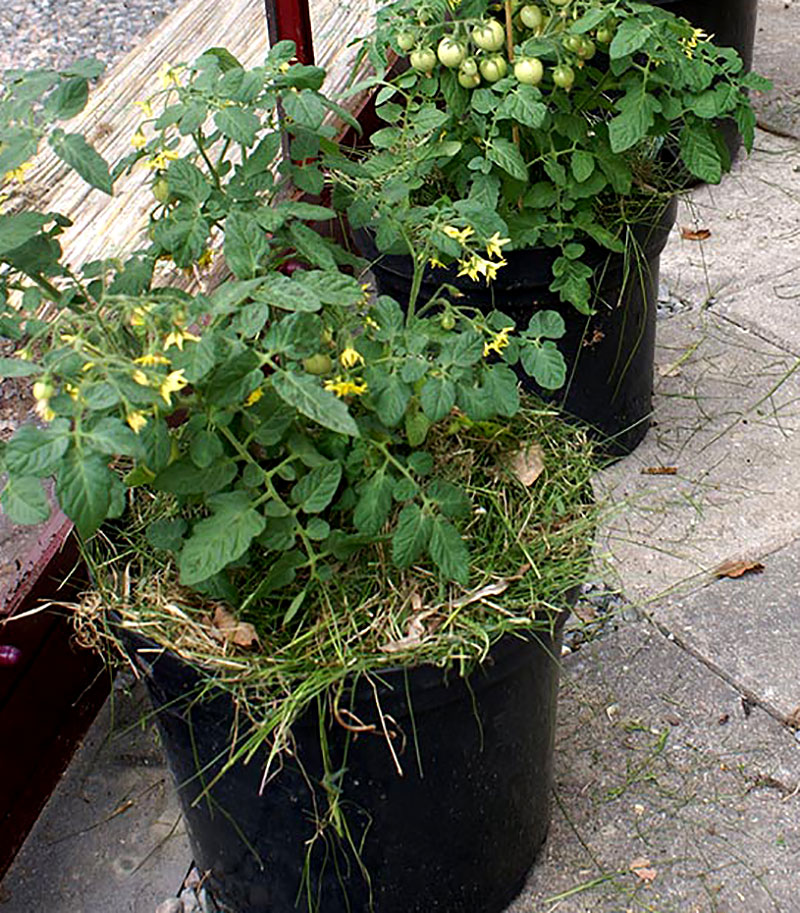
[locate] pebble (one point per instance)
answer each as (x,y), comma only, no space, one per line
(171,905)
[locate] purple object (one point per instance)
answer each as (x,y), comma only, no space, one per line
(9,656)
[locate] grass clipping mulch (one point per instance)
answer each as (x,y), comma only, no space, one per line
(529,534)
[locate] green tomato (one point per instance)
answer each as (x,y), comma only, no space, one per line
(605,35)
(489,35)
(572,43)
(43,389)
(447,320)
(560,2)
(161,190)
(531,16)
(529,70)
(467,81)
(493,68)
(318,364)
(587,49)
(423,60)
(564,76)
(469,67)
(451,53)
(405,40)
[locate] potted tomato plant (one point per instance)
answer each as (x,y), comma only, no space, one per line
(534,151)
(329,532)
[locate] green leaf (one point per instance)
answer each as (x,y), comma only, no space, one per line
(73,149)
(312,246)
(631,35)
(547,325)
(184,234)
(239,125)
(184,478)
(582,165)
(83,489)
(225,59)
(166,534)
(374,504)
(24,501)
(451,499)
(217,541)
(279,534)
(438,396)
(502,388)
(68,99)
(449,551)
(16,229)
(508,157)
(417,425)
(588,21)
(637,115)
(524,105)
(304,108)
(246,245)
(392,400)
(572,282)
(700,154)
(37,451)
(18,367)
(307,396)
(112,437)
(205,449)
(288,294)
(329,287)
(315,491)
(411,535)
(187,182)
(545,364)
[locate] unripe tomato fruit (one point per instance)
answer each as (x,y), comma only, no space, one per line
(573,42)
(43,389)
(469,67)
(489,35)
(451,53)
(493,68)
(531,16)
(564,76)
(605,35)
(587,49)
(161,190)
(447,320)
(560,2)
(467,81)
(318,364)
(529,71)
(423,60)
(405,40)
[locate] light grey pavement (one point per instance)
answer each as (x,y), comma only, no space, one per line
(677,777)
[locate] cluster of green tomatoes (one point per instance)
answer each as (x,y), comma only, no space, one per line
(478,52)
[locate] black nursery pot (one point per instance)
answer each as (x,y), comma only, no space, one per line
(457,832)
(609,354)
(732,23)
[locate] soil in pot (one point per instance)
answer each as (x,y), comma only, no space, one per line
(609,354)
(456,831)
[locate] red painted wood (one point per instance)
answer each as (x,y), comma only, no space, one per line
(290,20)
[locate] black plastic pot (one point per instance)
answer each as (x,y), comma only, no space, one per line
(457,832)
(733,25)
(609,354)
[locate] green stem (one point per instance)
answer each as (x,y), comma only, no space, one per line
(198,138)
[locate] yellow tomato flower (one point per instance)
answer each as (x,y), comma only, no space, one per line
(18,174)
(151,360)
(72,391)
(341,386)
(460,235)
(147,108)
(689,44)
(178,337)
(349,358)
(436,263)
(168,75)
(136,420)
(138,140)
(495,244)
(498,342)
(254,397)
(139,313)
(174,382)
(44,411)
(371,324)
(478,266)
(161,160)
(141,378)
(205,259)
(87,366)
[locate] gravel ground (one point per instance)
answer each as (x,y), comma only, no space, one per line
(56,32)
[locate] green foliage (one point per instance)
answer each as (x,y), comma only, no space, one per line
(539,164)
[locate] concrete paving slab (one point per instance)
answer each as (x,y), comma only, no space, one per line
(658,765)
(776,57)
(748,629)
(749,267)
(727,412)
(111,838)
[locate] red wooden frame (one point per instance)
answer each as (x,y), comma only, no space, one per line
(290,19)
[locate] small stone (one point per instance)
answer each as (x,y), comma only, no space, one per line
(189,901)
(171,905)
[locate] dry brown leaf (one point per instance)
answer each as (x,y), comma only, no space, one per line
(597,336)
(659,470)
(240,633)
(527,464)
(414,634)
(793,719)
(738,568)
(642,868)
(695,234)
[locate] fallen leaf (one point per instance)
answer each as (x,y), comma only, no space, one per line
(597,336)
(793,719)
(527,464)
(737,568)
(695,234)
(240,633)
(659,470)
(642,868)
